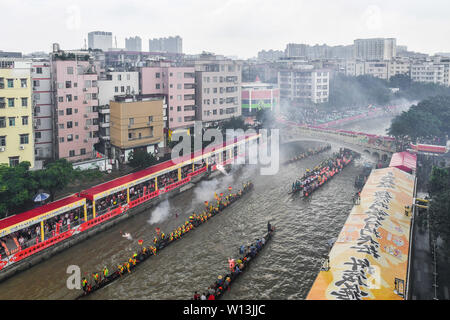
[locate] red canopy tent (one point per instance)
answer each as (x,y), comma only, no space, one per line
(404,161)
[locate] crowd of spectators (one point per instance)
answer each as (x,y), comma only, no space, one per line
(30,236)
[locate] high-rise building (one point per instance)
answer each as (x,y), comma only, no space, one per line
(170,45)
(375,49)
(437,71)
(177,83)
(303,84)
(100,40)
(16,112)
(133,44)
(218,88)
(74,81)
(43,110)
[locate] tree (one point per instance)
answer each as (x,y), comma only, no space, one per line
(55,176)
(17,188)
(140,159)
(234,123)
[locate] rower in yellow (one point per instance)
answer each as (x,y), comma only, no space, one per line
(120,267)
(96,277)
(105,272)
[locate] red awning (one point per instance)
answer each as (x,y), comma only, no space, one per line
(404,161)
(18,218)
(90,193)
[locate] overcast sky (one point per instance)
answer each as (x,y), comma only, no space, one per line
(230,27)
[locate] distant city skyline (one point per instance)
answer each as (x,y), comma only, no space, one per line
(232,28)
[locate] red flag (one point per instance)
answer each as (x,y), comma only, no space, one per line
(158,230)
(221,194)
(141,242)
(230,188)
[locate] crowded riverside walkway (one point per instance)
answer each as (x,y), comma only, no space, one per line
(314,178)
(161,240)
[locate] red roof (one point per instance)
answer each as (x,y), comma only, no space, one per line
(10,221)
(90,193)
(404,161)
(429,148)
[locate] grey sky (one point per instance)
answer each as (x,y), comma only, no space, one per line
(230,27)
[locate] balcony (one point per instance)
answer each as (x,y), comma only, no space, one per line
(104,110)
(104,124)
(188,97)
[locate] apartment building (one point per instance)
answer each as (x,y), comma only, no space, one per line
(218,89)
(170,44)
(177,84)
(431,71)
(396,67)
(111,84)
(136,123)
(75,96)
(43,110)
(304,85)
(375,49)
(377,69)
(133,44)
(16,112)
(100,40)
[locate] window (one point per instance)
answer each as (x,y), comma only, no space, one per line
(38,135)
(24,102)
(119,77)
(60,112)
(214,90)
(36,83)
(215,111)
(10,102)
(158,86)
(39,70)
(60,99)
(2,141)
(12,121)
(25,121)
(179,86)
(131,121)
(128,76)
(171,119)
(72,153)
(69,70)
(68,97)
(179,108)
(37,110)
(70,137)
(130,135)
(61,125)
(128,89)
(13,161)
(76,137)
(69,124)
(75,98)
(171,97)
(122,89)
(24,138)
(150,118)
(68,111)
(179,98)
(10,83)
(76,124)
(171,85)
(61,139)
(87,83)
(2,122)
(2,103)
(116,89)
(158,75)
(68,84)
(83,151)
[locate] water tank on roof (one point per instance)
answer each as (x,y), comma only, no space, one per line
(56,47)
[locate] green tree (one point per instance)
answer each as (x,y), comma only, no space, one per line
(141,159)
(234,123)
(55,176)
(17,188)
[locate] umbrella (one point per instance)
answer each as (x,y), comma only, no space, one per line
(41,197)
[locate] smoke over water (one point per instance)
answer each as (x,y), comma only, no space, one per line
(160,213)
(205,190)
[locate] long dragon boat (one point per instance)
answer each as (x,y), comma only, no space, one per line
(163,241)
(224,282)
(321,174)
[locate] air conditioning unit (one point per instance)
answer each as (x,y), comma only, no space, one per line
(85,102)
(2,149)
(85,140)
(85,115)
(22,147)
(86,128)
(85,89)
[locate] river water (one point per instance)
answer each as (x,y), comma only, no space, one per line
(285,268)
